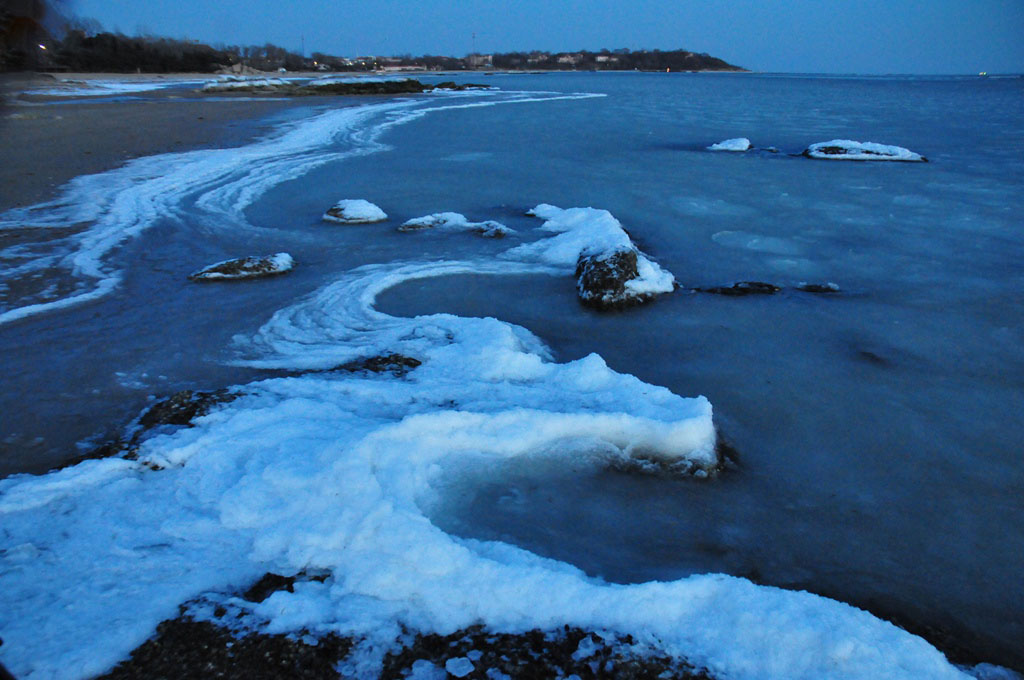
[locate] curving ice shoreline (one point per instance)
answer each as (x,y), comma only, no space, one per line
(339,473)
(107,210)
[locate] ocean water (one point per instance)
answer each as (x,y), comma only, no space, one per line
(877,430)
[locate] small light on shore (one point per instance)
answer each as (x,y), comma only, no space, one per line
(42,46)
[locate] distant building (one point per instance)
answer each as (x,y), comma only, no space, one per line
(480,60)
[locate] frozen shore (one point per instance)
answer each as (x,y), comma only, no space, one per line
(489,565)
(45,146)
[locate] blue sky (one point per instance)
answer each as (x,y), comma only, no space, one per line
(821,36)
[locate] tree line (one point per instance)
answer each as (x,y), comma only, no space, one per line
(28,30)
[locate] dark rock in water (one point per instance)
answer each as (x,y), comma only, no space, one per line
(818,287)
(850,150)
(185,648)
(245,268)
(827,150)
(183,407)
(180,409)
(398,364)
(742,288)
(539,654)
(269,584)
(407,86)
(601,279)
(450,85)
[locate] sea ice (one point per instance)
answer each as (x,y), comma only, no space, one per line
(737,144)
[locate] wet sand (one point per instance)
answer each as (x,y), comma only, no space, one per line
(46,141)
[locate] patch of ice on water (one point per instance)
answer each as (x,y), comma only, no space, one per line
(703,206)
(756,242)
(737,144)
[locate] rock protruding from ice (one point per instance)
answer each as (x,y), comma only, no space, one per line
(253,267)
(611,272)
(451,221)
(736,144)
(849,150)
(354,211)
(742,288)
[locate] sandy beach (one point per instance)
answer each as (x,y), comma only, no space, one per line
(44,144)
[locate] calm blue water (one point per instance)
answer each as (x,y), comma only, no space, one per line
(878,430)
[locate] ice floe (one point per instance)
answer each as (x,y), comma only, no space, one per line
(354,211)
(849,150)
(736,144)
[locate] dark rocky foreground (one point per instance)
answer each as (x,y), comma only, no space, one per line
(185,648)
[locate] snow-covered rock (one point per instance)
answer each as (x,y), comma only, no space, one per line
(611,272)
(450,221)
(354,211)
(849,150)
(736,144)
(245,268)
